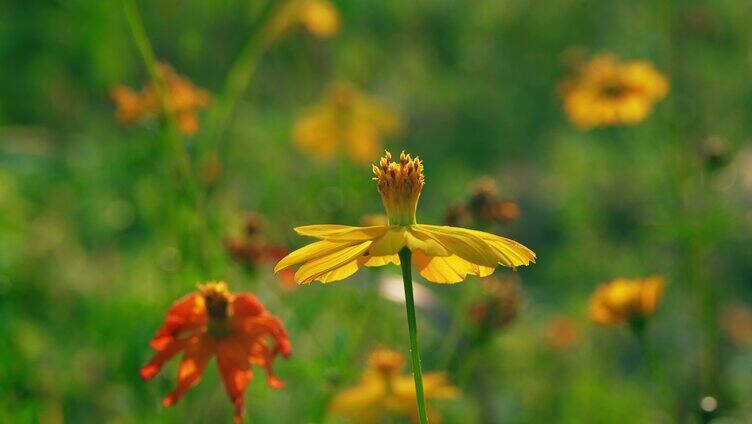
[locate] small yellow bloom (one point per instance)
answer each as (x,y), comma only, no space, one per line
(183,98)
(623,300)
(319,17)
(382,391)
(345,121)
(442,254)
(609,92)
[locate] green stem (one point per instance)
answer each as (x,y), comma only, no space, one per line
(638,326)
(239,77)
(173,141)
(175,155)
(407,278)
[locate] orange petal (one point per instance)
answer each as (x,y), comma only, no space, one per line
(266,324)
(186,314)
(198,350)
(263,356)
(232,360)
(169,350)
(246,305)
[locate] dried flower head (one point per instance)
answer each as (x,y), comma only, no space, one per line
(736,323)
(252,248)
(563,332)
(483,206)
(501,304)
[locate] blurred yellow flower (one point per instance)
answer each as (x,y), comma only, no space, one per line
(383,392)
(319,17)
(183,98)
(606,91)
(624,300)
(442,254)
(345,121)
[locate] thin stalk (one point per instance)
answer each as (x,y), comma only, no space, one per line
(407,278)
(638,326)
(175,154)
(239,76)
(173,141)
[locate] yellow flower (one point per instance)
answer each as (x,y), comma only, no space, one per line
(623,300)
(441,254)
(319,17)
(382,391)
(609,92)
(346,120)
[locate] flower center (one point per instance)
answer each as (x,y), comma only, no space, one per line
(217,301)
(615,90)
(387,362)
(399,184)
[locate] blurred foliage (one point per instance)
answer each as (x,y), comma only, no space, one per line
(98,236)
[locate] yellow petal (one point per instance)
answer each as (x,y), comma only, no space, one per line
(418,240)
(340,273)
(390,243)
(652,290)
(508,252)
(342,232)
(461,243)
(374,261)
(447,269)
(313,269)
(309,252)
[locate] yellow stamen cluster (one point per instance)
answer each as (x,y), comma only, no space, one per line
(217,299)
(399,184)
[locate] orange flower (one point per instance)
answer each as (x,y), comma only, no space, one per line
(622,301)
(345,121)
(183,99)
(253,249)
(606,91)
(212,321)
